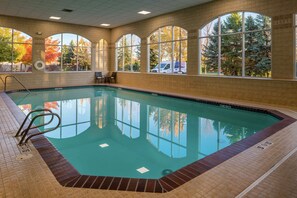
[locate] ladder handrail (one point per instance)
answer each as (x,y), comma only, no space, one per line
(27,117)
(10,76)
(48,130)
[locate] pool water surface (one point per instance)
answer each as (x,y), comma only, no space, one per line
(122,133)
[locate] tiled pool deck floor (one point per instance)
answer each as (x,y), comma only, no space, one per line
(271,172)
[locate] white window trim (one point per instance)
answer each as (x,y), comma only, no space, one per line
(77,46)
(242,33)
(159,43)
(123,52)
(12,47)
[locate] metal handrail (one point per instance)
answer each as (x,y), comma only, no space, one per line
(37,110)
(10,76)
(29,127)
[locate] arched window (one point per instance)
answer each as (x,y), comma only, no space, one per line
(236,44)
(168,50)
(102,52)
(67,52)
(15,51)
(128,53)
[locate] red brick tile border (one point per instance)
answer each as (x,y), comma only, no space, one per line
(68,176)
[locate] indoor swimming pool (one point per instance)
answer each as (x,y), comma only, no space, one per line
(116,132)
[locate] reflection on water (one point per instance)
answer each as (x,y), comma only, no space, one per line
(158,133)
(127,117)
(167,131)
(75,117)
(26,108)
(101,111)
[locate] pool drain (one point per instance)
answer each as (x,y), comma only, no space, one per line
(166,171)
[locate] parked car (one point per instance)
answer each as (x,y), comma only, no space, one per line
(166,67)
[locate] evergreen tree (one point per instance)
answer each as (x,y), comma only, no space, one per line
(251,46)
(136,61)
(210,51)
(263,65)
(257,47)
(154,58)
(69,58)
(231,46)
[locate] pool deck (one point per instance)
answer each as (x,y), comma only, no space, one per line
(255,172)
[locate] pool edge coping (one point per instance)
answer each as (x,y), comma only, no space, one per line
(67,175)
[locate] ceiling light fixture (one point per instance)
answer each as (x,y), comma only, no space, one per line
(105,24)
(55,17)
(144,12)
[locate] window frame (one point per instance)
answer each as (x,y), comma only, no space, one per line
(12,43)
(243,32)
(123,52)
(159,43)
(61,56)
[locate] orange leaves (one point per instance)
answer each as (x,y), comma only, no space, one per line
(52,50)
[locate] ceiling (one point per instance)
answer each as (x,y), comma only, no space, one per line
(93,12)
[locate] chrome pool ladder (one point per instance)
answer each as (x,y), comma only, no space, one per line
(24,133)
(11,76)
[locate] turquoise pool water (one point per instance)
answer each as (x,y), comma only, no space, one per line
(115,132)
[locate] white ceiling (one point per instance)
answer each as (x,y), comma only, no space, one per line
(93,12)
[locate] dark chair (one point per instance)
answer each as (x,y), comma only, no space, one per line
(98,77)
(112,77)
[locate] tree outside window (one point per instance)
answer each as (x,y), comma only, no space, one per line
(67,52)
(128,53)
(236,44)
(15,51)
(167,48)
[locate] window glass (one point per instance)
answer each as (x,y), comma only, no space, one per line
(170,51)
(236,44)
(67,52)
(231,55)
(15,51)
(210,29)
(231,23)
(128,53)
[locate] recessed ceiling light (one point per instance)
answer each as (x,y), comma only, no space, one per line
(55,17)
(144,12)
(105,24)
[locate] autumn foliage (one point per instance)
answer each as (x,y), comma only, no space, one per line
(52,51)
